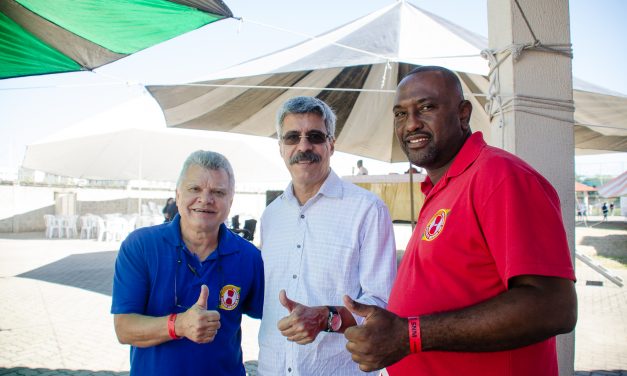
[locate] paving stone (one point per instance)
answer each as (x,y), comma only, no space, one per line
(56,321)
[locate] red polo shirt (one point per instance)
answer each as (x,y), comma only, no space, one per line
(491,217)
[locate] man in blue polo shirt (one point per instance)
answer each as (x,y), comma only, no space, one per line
(180,288)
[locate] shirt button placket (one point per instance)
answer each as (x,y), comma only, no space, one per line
(293,287)
(299,246)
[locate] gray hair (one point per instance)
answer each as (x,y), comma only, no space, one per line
(306,105)
(209,160)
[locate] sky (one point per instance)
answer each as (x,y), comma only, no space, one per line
(34,108)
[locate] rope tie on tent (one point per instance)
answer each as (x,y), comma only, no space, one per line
(495,106)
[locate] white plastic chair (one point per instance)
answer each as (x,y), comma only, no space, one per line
(69,225)
(52,224)
(131,222)
(154,209)
(115,228)
(100,227)
(89,226)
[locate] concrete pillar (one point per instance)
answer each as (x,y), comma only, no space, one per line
(541,134)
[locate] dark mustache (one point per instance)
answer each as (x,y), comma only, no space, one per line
(418,133)
(305,156)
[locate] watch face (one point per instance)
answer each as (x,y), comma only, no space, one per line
(336,322)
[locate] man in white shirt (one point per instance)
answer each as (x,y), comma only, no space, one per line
(321,239)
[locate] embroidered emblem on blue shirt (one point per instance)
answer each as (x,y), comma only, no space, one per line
(229,297)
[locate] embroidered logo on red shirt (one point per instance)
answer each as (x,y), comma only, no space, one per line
(435,225)
(229,297)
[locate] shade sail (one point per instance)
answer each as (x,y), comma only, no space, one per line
(616,187)
(355,68)
(43,36)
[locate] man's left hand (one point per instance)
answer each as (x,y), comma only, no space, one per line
(382,339)
(303,323)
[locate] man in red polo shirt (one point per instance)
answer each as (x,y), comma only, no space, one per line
(487,279)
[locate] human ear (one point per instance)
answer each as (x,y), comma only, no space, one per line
(465,110)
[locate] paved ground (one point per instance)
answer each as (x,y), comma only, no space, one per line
(55,294)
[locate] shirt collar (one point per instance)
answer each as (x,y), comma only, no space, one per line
(464,158)
(332,187)
(226,243)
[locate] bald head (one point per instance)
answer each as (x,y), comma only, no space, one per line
(451,79)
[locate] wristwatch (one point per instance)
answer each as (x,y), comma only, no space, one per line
(334,322)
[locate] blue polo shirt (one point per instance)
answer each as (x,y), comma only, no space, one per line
(144,283)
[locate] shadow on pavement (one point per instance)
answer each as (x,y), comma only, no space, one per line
(251,370)
(609,246)
(88,271)
(614,247)
(609,225)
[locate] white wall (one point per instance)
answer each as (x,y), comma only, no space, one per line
(22,207)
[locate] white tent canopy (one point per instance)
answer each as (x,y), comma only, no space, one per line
(355,68)
(153,154)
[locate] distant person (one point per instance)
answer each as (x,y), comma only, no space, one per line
(582,211)
(170,210)
(482,289)
(361,170)
(321,238)
(611,209)
(412,170)
(180,288)
(604,209)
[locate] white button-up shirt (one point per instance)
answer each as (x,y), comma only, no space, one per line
(340,242)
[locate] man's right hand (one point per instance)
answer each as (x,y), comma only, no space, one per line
(303,324)
(197,323)
(380,341)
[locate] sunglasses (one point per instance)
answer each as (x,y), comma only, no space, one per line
(314,137)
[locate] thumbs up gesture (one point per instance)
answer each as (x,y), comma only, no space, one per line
(303,323)
(197,323)
(380,341)
(202,298)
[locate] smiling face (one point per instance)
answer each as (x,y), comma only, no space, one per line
(431,119)
(309,164)
(204,198)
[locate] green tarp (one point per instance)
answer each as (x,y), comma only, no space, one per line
(44,36)
(23,54)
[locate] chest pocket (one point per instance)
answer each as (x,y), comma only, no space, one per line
(336,272)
